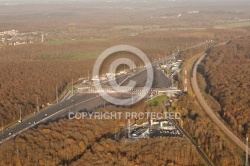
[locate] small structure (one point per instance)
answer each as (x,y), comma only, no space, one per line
(110,76)
(166,125)
(123,72)
(95,79)
(154,122)
(140,132)
(103,78)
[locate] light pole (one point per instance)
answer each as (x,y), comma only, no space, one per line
(88,75)
(2,126)
(72,88)
(246,152)
(37,107)
(56,95)
(20,114)
(128,128)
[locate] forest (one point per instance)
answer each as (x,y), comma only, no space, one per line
(20,87)
(34,71)
(199,125)
(77,142)
(97,142)
(226,70)
(76,34)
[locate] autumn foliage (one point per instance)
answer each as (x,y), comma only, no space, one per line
(227,73)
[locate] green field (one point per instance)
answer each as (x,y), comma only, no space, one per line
(144,29)
(71,56)
(69,87)
(233,25)
(73,41)
(158,100)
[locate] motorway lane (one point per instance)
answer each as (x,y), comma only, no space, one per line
(140,77)
(52,110)
(210,112)
(160,80)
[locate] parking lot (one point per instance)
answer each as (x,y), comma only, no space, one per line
(164,133)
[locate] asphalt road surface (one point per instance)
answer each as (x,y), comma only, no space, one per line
(89,102)
(160,80)
(210,112)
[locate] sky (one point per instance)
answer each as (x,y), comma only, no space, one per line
(118,0)
(20,2)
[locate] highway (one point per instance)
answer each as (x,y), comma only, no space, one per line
(140,76)
(160,80)
(209,111)
(74,104)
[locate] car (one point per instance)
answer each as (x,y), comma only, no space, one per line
(34,122)
(45,114)
(10,133)
(19,121)
(29,123)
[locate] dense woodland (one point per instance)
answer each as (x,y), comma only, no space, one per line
(74,37)
(207,135)
(91,142)
(20,87)
(22,82)
(227,73)
(199,125)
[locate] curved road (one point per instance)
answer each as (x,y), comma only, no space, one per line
(210,112)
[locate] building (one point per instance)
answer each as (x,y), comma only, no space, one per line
(95,79)
(166,125)
(110,76)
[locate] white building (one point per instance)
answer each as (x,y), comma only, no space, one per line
(194,12)
(95,78)
(165,125)
(110,76)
